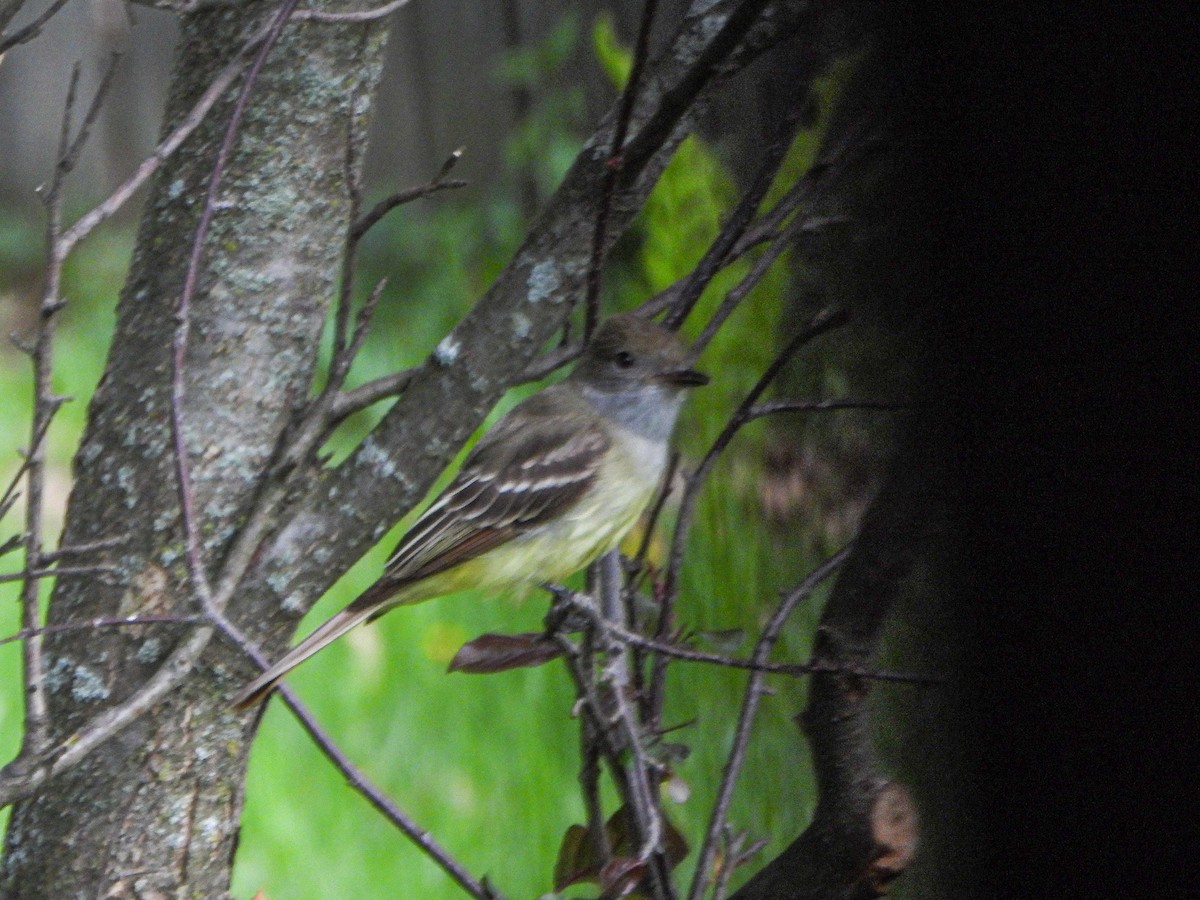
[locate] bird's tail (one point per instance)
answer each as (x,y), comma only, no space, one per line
(258,689)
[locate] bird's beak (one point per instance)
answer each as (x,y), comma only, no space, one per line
(683,378)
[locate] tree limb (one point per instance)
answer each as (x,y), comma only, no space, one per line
(838,854)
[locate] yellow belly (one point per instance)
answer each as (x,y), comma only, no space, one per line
(594,525)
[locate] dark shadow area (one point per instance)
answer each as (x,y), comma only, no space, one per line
(1041,148)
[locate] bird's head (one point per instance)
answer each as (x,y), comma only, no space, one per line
(628,354)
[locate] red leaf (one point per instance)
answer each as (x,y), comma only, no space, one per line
(576,859)
(500,652)
(621,875)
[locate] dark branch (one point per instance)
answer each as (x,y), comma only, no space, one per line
(754,691)
(824,321)
(684,295)
(32,30)
(612,168)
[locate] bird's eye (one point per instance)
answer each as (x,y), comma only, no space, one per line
(623,359)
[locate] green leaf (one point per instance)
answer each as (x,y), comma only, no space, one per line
(614,57)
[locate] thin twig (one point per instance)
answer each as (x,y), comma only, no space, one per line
(597,722)
(355,776)
(65,571)
(716,257)
(739,236)
(39,433)
(750,235)
(589,784)
(341,315)
(67,160)
(83,549)
(708,66)
(612,169)
(541,366)
(190,122)
(348,402)
(638,567)
(656,508)
(365,15)
(736,853)
(332,405)
(731,845)
(615,677)
(772,407)
(45,404)
(754,690)
(32,30)
(618,633)
(393,813)
(104,622)
(408,195)
(750,280)
(822,322)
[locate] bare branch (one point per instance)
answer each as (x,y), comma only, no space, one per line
(69,156)
(118,198)
(365,395)
(32,30)
(354,776)
(39,433)
(612,168)
(543,365)
(581,603)
(66,571)
(393,813)
(387,204)
(104,622)
(84,548)
(642,797)
(754,691)
(738,293)
(365,15)
(836,854)
(822,322)
(45,404)
(687,291)
(333,405)
(785,406)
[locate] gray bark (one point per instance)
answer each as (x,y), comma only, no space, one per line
(154,811)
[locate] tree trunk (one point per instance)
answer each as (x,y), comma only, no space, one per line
(154,812)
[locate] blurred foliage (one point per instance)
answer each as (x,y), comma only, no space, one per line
(487,763)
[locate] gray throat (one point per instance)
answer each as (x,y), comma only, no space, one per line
(647,410)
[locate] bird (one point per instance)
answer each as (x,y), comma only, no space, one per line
(552,486)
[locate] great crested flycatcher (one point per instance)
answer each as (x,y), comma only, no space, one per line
(553,485)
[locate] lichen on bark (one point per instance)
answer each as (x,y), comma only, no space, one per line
(154,811)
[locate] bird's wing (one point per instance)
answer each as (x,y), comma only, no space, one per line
(516,478)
